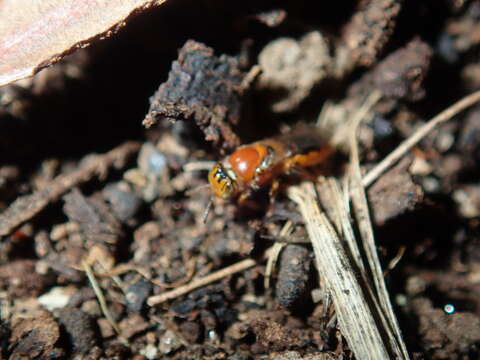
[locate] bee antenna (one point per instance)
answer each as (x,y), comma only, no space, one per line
(207,210)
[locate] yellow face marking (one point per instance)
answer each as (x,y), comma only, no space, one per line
(221,183)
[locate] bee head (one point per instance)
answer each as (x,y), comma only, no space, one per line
(221,182)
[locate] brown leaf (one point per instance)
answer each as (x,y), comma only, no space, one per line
(36,34)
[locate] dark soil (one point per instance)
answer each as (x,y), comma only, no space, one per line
(189,82)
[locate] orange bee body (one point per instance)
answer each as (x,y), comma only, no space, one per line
(261,163)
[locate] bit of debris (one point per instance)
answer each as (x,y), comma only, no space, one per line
(203,87)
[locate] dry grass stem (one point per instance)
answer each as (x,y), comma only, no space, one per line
(276,249)
(363,220)
(356,319)
(405,146)
(272,261)
(100,297)
(198,283)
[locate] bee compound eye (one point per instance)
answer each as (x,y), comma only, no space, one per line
(227,188)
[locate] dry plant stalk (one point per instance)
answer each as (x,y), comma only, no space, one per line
(416,137)
(203,281)
(365,315)
(275,252)
(356,318)
(380,297)
(101,298)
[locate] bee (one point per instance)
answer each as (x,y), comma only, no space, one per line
(262,163)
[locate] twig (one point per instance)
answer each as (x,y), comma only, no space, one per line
(26,207)
(250,77)
(362,215)
(272,261)
(276,249)
(355,317)
(405,146)
(100,297)
(391,265)
(197,283)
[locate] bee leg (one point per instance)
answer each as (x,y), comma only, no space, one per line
(245,200)
(244,197)
(272,195)
(273,192)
